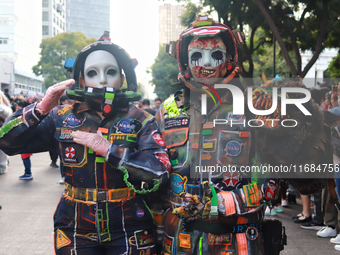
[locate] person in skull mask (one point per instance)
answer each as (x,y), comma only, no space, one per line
(112,154)
(211,212)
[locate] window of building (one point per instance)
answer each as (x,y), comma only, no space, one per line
(44,30)
(3,40)
(45,3)
(58,21)
(54,18)
(45,16)
(3,21)
(54,31)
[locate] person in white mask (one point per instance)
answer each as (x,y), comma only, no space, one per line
(112,153)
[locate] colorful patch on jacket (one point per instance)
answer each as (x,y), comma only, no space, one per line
(61,239)
(178,183)
(219,239)
(73,121)
(64,109)
(140,213)
(236,118)
(233,148)
(144,239)
(70,153)
(128,126)
(65,134)
(158,139)
(176,122)
(231,178)
(184,240)
(167,242)
(164,159)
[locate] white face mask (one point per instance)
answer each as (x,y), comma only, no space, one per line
(101,70)
(207,58)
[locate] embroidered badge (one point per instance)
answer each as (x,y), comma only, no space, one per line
(140,213)
(252,195)
(184,240)
(158,139)
(219,239)
(128,126)
(233,148)
(61,239)
(73,121)
(235,117)
(176,122)
(231,178)
(251,233)
(164,159)
(144,239)
(64,110)
(167,242)
(65,134)
(178,183)
(70,153)
(228,252)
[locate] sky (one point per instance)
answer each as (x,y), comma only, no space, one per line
(134,27)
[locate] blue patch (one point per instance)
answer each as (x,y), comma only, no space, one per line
(124,125)
(178,184)
(140,213)
(73,121)
(128,126)
(234,117)
(233,148)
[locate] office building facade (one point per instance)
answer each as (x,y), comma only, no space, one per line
(20,37)
(170,23)
(53,17)
(91,17)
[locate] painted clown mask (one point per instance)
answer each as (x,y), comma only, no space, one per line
(101,70)
(207,59)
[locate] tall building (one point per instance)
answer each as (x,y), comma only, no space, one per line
(169,23)
(20,37)
(53,17)
(91,17)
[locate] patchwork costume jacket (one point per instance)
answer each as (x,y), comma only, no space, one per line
(100,203)
(202,153)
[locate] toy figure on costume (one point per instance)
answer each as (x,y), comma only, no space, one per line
(112,154)
(211,212)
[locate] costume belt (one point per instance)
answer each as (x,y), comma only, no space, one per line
(94,195)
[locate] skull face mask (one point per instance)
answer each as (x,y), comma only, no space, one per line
(101,70)
(207,59)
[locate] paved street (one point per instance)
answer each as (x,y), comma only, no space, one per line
(26,223)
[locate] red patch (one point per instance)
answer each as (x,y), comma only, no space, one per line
(165,160)
(159,139)
(70,152)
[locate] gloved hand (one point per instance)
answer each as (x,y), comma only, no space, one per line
(94,141)
(52,96)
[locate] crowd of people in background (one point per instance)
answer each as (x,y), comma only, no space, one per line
(325,218)
(146,105)
(20,101)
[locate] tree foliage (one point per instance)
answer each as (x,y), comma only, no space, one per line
(308,27)
(164,72)
(54,52)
